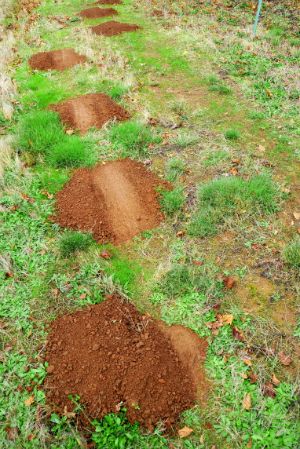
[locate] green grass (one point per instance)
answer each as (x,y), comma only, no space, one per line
(291,253)
(216,85)
(72,242)
(72,151)
(132,138)
(174,168)
(232,134)
(172,200)
(225,198)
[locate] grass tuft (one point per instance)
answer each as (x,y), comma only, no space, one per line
(223,198)
(72,241)
(232,134)
(175,168)
(291,253)
(172,200)
(71,152)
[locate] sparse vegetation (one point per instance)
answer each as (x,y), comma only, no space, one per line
(291,253)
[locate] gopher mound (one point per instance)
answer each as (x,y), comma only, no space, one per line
(112,356)
(96,13)
(56,60)
(89,111)
(114,201)
(113,28)
(108,2)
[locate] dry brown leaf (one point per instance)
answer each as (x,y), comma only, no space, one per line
(29,401)
(296,215)
(247,402)
(185,432)
(247,361)
(238,334)
(275,380)
(229,282)
(226,318)
(268,390)
(284,358)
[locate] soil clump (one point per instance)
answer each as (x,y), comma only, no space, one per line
(56,60)
(89,111)
(114,201)
(113,28)
(112,356)
(96,13)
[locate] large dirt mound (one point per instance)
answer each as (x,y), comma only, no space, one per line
(112,356)
(56,59)
(89,111)
(115,201)
(96,13)
(112,28)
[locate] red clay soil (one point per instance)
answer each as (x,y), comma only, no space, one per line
(113,28)
(56,60)
(112,356)
(108,2)
(114,201)
(89,111)
(96,13)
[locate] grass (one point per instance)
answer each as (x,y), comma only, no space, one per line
(174,168)
(72,242)
(222,199)
(291,253)
(232,134)
(132,138)
(172,200)
(72,151)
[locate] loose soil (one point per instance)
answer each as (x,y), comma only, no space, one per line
(108,2)
(96,13)
(89,111)
(113,28)
(112,356)
(114,201)
(56,60)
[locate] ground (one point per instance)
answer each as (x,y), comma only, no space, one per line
(213,111)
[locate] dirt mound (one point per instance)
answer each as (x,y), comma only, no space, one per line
(115,201)
(56,60)
(112,356)
(108,2)
(89,111)
(112,28)
(96,13)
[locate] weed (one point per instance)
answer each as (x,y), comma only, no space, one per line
(132,138)
(216,85)
(232,134)
(175,168)
(222,199)
(172,200)
(39,131)
(291,253)
(71,152)
(72,241)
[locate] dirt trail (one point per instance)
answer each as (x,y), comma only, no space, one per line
(56,60)
(110,354)
(115,201)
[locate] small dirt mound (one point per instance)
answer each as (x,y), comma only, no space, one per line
(113,28)
(56,60)
(115,201)
(108,2)
(89,111)
(96,13)
(109,354)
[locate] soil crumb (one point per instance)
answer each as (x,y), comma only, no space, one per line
(114,201)
(56,60)
(89,111)
(113,28)
(109,354)
(96,13)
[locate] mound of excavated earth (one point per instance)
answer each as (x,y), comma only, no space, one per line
(96,13)
(114,201)
(112,357)
(89,111)
(108,2)
(113,28)
(56,60)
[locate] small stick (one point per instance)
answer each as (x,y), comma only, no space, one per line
(257,17)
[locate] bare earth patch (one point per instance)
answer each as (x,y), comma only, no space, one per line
(113,28)
(96,13)
(110,354)
(56,60)
(89,111)
(114,201)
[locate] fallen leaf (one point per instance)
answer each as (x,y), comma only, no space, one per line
(226,318)
(247,361)
(247,402)
(185,432)
(252,377)
(198,263)
(268,390)
(29,401)
(275,380)
(12,433)
(296,215)
(237,334)
(180,233)
(284,359)
(70,132)
(82,296)
(105,255)
(229,282)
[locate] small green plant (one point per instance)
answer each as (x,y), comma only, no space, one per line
(291,253)
(39,131)
(223,198)
(72,241)
(232,134)
(175,168)
(71,152)
(132,138)
(216,85)
(172,200)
